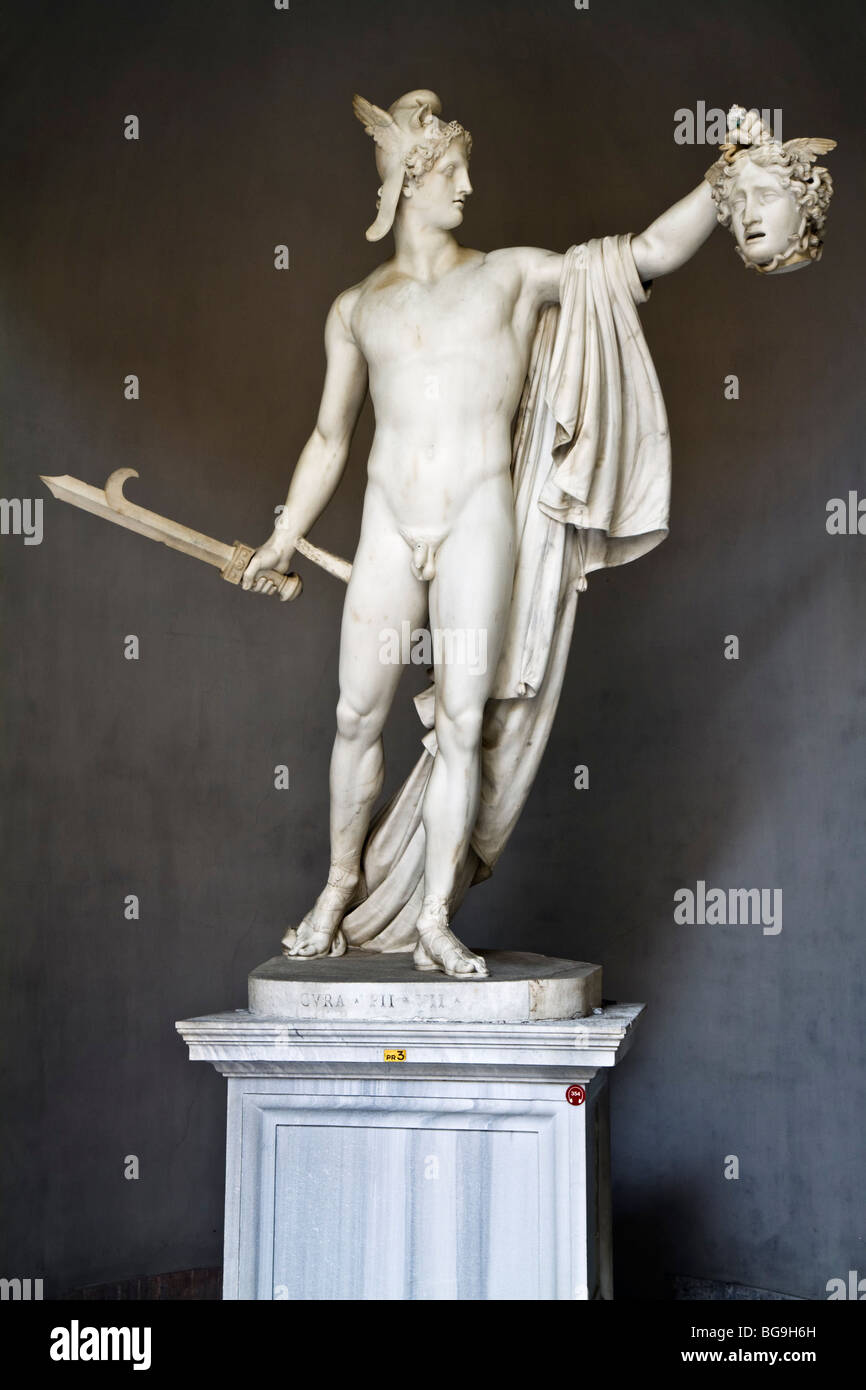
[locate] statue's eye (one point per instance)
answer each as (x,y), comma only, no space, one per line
(769,196)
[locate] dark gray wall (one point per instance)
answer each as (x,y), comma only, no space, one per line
(155,777)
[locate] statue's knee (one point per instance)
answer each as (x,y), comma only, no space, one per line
(459,730)
(357,724)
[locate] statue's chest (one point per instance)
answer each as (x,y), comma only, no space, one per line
(428,320)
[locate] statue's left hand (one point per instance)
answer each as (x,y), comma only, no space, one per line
(746,127)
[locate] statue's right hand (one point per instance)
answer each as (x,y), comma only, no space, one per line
(269,556)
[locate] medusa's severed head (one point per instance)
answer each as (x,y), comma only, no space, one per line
(775,198)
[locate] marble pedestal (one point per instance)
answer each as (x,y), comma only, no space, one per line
(475,1165)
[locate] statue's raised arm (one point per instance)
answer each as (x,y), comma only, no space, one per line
(772,196)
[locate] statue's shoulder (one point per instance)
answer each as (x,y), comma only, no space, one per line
(341,317)
(349,301)
(530,269)
(508,260)
(518,255)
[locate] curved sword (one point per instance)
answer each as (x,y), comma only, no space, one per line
(232,560)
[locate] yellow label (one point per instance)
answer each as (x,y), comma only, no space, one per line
(395,1054)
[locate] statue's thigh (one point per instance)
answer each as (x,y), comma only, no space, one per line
(383,594)
(470,600)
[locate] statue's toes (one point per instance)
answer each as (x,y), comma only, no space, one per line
(465,967)
(296,945)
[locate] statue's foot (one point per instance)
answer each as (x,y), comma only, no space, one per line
(438,947)
(311,941)
(320,933)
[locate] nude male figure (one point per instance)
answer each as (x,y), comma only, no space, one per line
(441,336)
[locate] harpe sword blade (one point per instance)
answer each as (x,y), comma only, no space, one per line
(232,560)
(113,506)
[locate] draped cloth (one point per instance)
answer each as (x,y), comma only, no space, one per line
(591,478)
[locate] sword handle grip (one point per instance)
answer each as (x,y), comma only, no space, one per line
(288,586)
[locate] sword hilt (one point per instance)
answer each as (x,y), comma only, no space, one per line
(288,586)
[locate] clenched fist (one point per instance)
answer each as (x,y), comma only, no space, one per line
(273,555)
(746,127)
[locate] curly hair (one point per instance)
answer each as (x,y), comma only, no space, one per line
(421,158)
(810,184)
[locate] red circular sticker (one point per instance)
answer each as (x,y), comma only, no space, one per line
(575,1095)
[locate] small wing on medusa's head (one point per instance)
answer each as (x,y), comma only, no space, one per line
(810,146)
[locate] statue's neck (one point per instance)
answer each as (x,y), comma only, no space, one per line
(422,251)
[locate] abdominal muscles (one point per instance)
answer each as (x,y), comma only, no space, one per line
(443,429)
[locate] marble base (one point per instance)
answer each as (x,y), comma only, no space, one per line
(473,1166)
(522,987)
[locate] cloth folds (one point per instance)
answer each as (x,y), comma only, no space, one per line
(591,477)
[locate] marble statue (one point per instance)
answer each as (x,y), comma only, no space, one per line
(520,443)
(774,198)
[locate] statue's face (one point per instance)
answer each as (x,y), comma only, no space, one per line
(765,216)
(439,197)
